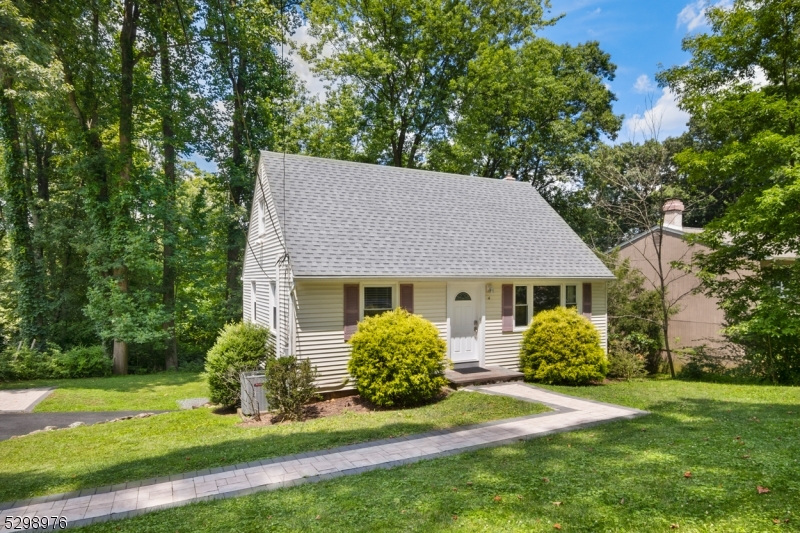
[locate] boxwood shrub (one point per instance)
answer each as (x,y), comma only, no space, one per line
(241,346)
(397,359)
(562,347)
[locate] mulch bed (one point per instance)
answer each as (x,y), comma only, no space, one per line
(325,408)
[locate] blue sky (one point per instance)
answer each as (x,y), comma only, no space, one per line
(638,34)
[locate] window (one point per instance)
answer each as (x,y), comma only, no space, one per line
(520,306)
(377,300)
(262,214)
(463,297)
(546,297)
(571,297)
(253,302)
(273,303)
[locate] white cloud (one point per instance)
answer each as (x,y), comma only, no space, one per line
(693,15)
(643,85)
(662,119)
(314,84)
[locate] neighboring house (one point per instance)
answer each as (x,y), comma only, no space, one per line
(699,319)
(331,242)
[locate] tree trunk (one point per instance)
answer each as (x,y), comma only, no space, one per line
(27,275)
(127,38)
(238,197)
(169,272)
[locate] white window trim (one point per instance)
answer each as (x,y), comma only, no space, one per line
(530,286)
(395,294)
(253,301)
(272,319)
(262,215)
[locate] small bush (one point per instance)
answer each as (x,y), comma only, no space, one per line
(289,386)
(52,363)
(625,361)
(239,347)
(561,346)
(82,362)
(398,359)
(700,363)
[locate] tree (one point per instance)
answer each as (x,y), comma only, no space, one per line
(742,89)
(404,60)
(535,111)
(634,311)
(634,181)
(25,65)
(250,78)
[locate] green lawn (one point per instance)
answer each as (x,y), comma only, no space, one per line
(156,392)
(623,476)
(171,443)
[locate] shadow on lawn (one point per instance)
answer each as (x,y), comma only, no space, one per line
(622,476)
(130,383)
(233,451)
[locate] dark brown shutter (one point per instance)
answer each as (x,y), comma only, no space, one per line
(351,297)
(407,297)
(508,308)
(587,300)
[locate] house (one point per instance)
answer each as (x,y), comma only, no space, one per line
(699,319)
(331,242)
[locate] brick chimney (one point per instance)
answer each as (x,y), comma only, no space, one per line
(673,214)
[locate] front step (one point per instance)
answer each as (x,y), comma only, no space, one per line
(478,375)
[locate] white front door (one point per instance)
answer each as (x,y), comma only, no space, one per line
(464,324)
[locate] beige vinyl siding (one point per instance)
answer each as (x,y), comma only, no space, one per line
(430,301)
(262,252)
(600,312)
(501,349)
(320,323)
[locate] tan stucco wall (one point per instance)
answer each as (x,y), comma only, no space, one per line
(699,319)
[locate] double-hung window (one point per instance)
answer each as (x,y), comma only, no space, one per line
(571,296)
(530,300)
(520,306)
(546,297)
(377,300)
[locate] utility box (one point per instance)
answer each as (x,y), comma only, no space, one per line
(252,392)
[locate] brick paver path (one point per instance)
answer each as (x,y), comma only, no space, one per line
(129,499)
(21,400)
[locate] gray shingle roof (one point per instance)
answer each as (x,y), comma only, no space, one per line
(359,220)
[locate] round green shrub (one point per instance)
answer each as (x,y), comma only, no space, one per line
(398,359)
(82,362)
(241,346)
(561,346)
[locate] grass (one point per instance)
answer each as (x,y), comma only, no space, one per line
(172,443)
(623,476)
(154,392)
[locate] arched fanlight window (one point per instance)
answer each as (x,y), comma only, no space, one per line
(463,297)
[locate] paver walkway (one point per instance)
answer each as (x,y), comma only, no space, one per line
(21,400)
(130,499)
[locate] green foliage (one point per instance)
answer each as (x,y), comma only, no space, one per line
(551,95)
(699,363)
(741,88)
(52,363)
(289,386)
(561,346)
(397,359)
(239,347)
(634,312)
(625,361)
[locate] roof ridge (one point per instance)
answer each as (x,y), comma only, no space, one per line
(384,168)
